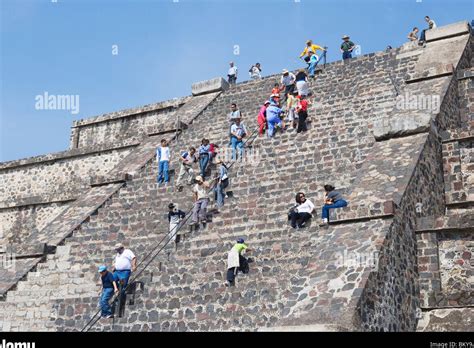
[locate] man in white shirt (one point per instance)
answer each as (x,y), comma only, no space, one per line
(431,25)
(287,81)
(201,201)
(237,133)
(125,263)
(232,73)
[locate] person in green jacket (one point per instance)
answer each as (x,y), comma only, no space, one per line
(347,47)
(236,262)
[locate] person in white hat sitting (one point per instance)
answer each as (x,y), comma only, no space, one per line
(347,47)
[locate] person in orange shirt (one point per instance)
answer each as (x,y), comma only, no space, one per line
(276,89)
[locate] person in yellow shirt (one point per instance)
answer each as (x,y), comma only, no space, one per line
(310,46)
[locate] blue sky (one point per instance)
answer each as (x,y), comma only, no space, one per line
(66,48)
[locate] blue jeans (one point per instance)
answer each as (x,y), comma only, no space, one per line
(123,276)
(107,294)
(220,193)
(346,55)
(338,204)
(203,161)
(237,144)
(312,67)
(163,171)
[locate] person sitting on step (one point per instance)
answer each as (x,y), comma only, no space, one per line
(201,201)
(302,212)
(332,199)
(236,262)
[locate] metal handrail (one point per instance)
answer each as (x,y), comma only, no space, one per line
(169,236)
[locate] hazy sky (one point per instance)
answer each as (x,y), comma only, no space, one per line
(117,54)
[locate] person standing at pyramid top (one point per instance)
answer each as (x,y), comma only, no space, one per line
(232,74)
(431,25)
(347,47)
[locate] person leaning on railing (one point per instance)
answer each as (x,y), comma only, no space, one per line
(109,287)
(125,264)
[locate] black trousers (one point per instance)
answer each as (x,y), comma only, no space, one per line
(299,218)
(232,272)
(302,116)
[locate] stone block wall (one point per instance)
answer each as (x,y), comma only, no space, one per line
(391,295)
(134,123)
(19,222)
(60,179)
(456,262)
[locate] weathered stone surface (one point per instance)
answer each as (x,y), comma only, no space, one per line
(217,84)
(443,320)
(447,31)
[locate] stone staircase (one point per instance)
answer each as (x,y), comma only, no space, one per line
(297,276)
